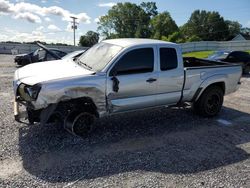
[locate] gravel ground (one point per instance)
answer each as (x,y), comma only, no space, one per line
(160,148)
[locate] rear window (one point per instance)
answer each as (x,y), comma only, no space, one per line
(168,58)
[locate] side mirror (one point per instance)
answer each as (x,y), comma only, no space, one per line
(114,73)
(115,81)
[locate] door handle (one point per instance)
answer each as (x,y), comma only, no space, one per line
(150,80)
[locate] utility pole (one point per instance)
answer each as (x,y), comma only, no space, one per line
(74,27)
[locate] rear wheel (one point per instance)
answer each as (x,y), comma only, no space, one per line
(210,102)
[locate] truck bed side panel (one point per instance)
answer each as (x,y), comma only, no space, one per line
(202,77)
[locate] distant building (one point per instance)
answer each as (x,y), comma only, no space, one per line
(241,37)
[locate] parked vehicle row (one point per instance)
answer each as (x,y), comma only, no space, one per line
(117,76)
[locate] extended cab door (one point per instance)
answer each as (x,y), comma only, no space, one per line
(131,82)
(171,76)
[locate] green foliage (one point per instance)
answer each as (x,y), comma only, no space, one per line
(200,54)
(150,8)
(90,39)
(174,37)
(127,20)
(194,38)
(245,30)
(162,25)
(210,26)
(233,28)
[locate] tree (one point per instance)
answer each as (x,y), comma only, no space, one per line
(233,28)
(175,37)
(127,20)
(206,25)
(193,38)
(90,39)
(150,8)
(163,25)
(245,30)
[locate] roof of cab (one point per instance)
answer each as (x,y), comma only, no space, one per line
(126,42)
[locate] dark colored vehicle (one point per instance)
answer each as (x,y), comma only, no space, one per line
(240,57)
(41,54)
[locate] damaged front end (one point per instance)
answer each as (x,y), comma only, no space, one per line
(25,95)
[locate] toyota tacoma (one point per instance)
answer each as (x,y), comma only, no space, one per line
(117,76)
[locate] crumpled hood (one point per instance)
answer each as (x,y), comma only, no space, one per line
(49,70)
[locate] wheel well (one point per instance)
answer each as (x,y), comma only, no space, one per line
(84,103)
(220,85)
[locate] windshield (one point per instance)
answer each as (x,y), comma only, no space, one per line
(218,55)
(97,57)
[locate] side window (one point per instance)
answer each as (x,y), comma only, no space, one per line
(135,62)
(50,57)
(168,58)
(41,54)
(59,53)
(232,57)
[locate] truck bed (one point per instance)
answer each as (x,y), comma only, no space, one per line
(196,71)
(192,62)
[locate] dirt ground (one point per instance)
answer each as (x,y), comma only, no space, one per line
(153,148)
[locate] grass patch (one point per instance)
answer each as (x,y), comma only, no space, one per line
(201,54)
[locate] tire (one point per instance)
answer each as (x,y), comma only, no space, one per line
(246,70)
(79,123)
(56,118)
(210,102)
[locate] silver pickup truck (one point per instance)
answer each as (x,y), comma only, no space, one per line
(117,76)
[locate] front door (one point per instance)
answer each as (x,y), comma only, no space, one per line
(131,83)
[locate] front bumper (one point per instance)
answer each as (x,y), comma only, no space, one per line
(23,112)
(18,113)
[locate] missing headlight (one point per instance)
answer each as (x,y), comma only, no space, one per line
(29,93)
(33,91)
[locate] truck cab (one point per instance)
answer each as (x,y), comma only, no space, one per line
(149,75)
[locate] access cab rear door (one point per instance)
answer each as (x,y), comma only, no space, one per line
(170,74)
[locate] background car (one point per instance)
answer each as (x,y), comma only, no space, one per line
(74,55)
(41,54)
(233,57)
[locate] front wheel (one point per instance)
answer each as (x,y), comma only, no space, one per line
(79,123)
(210,102)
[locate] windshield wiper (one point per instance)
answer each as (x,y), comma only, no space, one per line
(83,64)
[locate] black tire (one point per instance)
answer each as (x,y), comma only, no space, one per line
(210,102)
(56,118)
(246,70)
(79,123)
